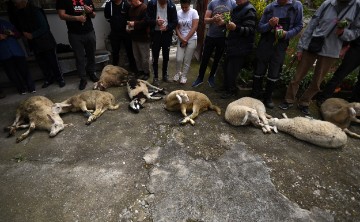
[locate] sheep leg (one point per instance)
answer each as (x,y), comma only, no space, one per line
(83,108)
(150,96)
(352,134)
(356,120)
(26,134)
(193,115)
(98,112)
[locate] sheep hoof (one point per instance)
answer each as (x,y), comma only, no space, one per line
(88,123)
(87,114)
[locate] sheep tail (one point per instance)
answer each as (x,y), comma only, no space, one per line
(216,109)
(112,107)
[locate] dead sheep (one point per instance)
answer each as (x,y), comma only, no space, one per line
(341,113)
(138,91)
(36,113)
(318,132)
(189,101)
(111,76)
(246,111)
(93,103)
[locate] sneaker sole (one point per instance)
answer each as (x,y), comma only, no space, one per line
(197,84)
(286,108)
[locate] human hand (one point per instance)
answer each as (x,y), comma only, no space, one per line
(299,56)
(3,36)
(231,26)
(160,21)
(27,35)
(273,21)
(339,31)
(88,9)
(81,18)
(343,51)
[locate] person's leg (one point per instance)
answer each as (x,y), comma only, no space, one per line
(180,54)
(115,48)
(77,44)
(155,50)
(189,52)
(129,53)
(301,71)
(11,72)
(219,51)
(55,67)
(209,46)
(322,67)
(90,49)
(22,67)
(165,53)
(43,62)
(355,95)
(350,62)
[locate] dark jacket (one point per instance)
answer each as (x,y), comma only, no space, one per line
(171,15)
(9,47)
(241,40)
(117,16)
(33,20)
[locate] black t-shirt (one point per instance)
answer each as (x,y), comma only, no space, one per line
(75,8)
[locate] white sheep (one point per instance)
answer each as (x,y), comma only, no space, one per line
(189,101)
(111,76)
(247,110)
(94,103)
(341,113)
(37,111)
(318,132)
(138,91)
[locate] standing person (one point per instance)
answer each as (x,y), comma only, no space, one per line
(161,15)
(350,62)
(188,21)
(322,26)
(281,21)
(81,34)
(34,26)
(239,43)
(140,38)
(12,58)
(215,38)
(117,14)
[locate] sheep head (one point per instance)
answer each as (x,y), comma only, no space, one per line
(182,97)
(56,126)
(356,108)
(251,116)
(135,105)
(99,86)
(59,108)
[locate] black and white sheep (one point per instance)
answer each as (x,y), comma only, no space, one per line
(36,113)
(138,91)
(93,102)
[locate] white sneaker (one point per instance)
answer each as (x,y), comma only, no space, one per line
(177,76)
(183,80)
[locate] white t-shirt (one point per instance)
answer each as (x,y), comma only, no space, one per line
(185,21)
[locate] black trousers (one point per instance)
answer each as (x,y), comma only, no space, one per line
(17,71)
(116,40)
(49,65)
(160,40)
(350,62)
(232,67)
(211,44)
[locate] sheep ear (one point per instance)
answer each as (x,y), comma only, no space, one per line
(245,118)
(50,117)
(56,108)
(179,98)
(352,112)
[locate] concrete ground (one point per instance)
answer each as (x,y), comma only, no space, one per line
(148,167)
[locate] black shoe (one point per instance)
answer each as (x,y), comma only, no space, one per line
(155,82)
(269,103)
(304,109)
(82,84)
(227,95)
(62,83)
(285,105)
(165,79)
(93,77)
(46,84)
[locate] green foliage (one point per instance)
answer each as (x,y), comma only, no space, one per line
(259,6)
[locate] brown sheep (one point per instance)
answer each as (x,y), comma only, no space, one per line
(111,76)
(94,103)
(37,111)
(189,101)
(341,113)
